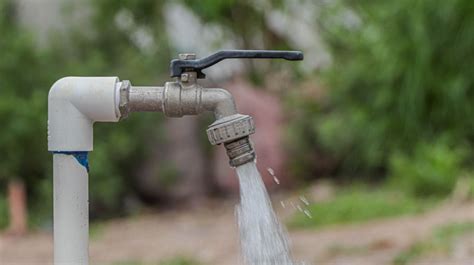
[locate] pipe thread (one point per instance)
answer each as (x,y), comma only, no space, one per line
(240,151)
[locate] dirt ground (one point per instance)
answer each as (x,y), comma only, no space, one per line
(209,235)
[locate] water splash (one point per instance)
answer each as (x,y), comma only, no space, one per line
(263,240)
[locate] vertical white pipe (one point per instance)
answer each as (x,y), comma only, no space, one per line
(74,104)
(71,211)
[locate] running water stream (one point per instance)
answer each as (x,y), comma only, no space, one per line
(263,239)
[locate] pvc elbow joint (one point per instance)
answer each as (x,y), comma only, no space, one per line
(74,104)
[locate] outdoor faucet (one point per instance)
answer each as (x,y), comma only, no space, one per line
(76,103)
(186,97)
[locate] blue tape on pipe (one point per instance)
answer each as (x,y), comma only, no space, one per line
(80,156)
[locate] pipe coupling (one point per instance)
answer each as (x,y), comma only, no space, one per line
(124,98)
(234,132)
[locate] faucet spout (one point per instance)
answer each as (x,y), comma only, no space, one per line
(219,101)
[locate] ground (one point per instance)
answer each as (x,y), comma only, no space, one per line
(208,234)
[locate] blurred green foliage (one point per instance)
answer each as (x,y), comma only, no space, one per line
(399,82)
(109,46)
(22,105)
(471,186)
(432,169)
(23,77)
(243,20)
(357,205)
(3,212)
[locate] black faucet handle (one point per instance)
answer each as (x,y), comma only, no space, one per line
(179,66)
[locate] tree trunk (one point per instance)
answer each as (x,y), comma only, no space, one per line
(17,206)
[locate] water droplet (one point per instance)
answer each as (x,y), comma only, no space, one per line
(293,205)
(299,208)
(282,204)
(270,170)
(304,200)
(277,181)
(307,213)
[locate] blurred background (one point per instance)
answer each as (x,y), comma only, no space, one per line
(374,128)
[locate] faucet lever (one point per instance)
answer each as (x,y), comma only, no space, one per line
(179,66)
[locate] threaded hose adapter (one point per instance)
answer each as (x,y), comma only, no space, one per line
(240,151)
(233,131)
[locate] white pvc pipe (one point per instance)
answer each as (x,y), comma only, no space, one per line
(74,104)
(71,211)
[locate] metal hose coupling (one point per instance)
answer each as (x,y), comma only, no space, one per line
(234,132)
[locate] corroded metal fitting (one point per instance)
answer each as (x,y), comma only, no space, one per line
(124,91)
(234,132)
